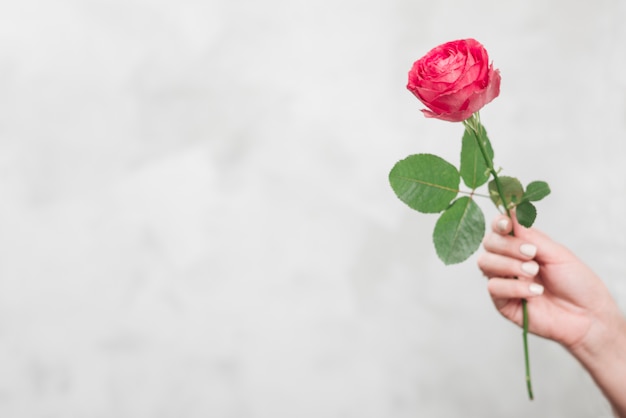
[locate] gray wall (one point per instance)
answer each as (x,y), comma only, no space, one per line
(195,219)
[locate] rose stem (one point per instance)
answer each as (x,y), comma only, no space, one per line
(473,123)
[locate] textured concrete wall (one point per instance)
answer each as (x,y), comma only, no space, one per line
(195,219)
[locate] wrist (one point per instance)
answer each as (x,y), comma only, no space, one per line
(603,354)
(604,357)
(605,339)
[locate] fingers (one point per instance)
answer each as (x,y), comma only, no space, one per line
(507,255)
(498,265)
(526,243)
(509,246)
(506,289)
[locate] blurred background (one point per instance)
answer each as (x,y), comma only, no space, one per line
(196,221)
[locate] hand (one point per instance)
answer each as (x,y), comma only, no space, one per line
(566,301)
(564,297)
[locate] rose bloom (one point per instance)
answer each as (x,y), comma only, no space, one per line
(454,80)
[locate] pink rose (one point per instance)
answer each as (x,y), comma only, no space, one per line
(454,80)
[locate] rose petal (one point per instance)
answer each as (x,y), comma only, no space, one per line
(454,80)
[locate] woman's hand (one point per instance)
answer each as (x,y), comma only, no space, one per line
(566,301)
(564,296)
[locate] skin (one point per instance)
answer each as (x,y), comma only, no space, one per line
(567,301)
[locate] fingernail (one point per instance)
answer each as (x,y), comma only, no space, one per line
(530,267)
(502,225)
(528,250)
(536,289)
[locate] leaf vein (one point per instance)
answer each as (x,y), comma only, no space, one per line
(437,186)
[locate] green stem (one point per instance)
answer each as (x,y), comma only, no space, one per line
(529,385)
(473,123)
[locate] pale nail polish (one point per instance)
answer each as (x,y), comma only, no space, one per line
(502,225)
(536,289)
(530,267)
(528,250)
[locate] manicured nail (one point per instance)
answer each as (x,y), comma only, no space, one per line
(536,289)
(530,267)
(502,225)
(528,250)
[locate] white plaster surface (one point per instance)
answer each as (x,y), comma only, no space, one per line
(195,219)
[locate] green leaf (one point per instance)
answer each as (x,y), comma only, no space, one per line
(425,182)
(526,213)
(459,231)
(536,191)
(511,189)
(474,169)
